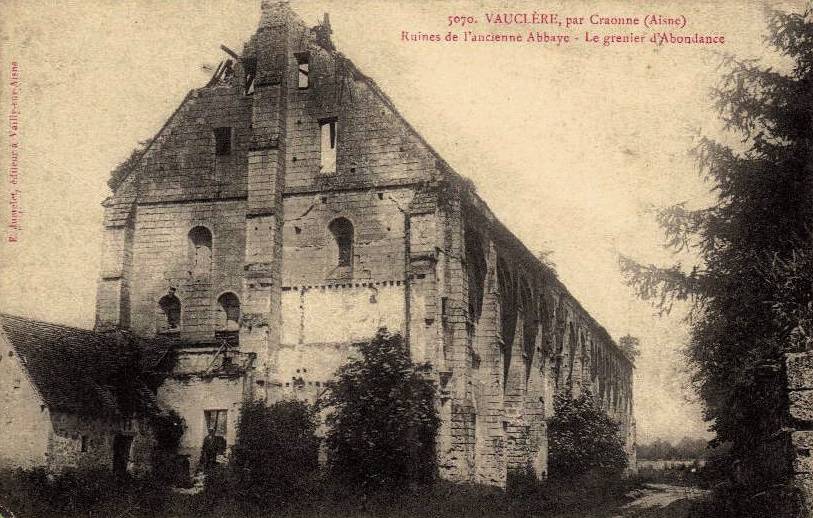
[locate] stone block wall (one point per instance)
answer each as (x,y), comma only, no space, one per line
(513,339)
(24,420)
(799,368)
(375,146)
(200,382)
(161,261)
(70,432)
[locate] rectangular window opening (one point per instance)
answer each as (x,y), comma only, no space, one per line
(303,66)
(250,72)
(328,130)
(84,440)
(216,420)
(222,141)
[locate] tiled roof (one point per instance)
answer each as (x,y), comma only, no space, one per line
(81,371)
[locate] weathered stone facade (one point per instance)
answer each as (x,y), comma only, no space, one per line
(24,422)
(291,184)
(84,443)
(799,369)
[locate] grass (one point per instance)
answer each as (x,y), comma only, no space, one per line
(31,496)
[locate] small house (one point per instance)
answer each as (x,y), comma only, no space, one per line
(72,399)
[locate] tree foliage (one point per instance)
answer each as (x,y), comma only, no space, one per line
(276,452)
(382,420)
(686,448)
(121,171)
(630,346)
(168,428)
(750,288)
(583,438)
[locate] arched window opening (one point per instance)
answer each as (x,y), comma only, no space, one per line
(508,313)
(342,231)
(476,269)
(229,312)
(200,251)
(171,308)
(530,324)
(573,343)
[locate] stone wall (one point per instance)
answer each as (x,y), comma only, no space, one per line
(513,338)
(24,420)
(799,368)
(71,433)
(200,382)
(161,262)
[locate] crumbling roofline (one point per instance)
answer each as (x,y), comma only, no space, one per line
(155,138)
(359,75)
(449,171)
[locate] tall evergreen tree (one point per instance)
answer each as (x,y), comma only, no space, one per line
(747,292)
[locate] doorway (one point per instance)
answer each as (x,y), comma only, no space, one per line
(121,453)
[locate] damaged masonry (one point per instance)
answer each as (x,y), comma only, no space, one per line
(286,211)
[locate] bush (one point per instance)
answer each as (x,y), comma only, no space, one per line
(276,453)
(583,438)
(70,491)
(522,481)
(168,428)
(383,422)
(36,492)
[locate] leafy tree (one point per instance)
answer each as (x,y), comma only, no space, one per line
(382,420)
(631,346)
(121,171)
(583,438)
(749,288)
(276,451)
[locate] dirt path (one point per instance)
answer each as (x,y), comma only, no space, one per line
(661,500)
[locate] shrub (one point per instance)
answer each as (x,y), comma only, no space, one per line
(70,491)
(583,438)
(168,428)
(383,422)
(276,453)
(522,481)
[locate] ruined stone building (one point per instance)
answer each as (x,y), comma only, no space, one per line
(286,211)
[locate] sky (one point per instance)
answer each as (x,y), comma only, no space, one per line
(569,145)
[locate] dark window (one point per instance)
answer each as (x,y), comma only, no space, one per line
(200,251)
(171,307)
(222,141)
(328,130)
(84,440)
(216,420)
(303,70)
(229,309)
(342,231)
(250,71)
